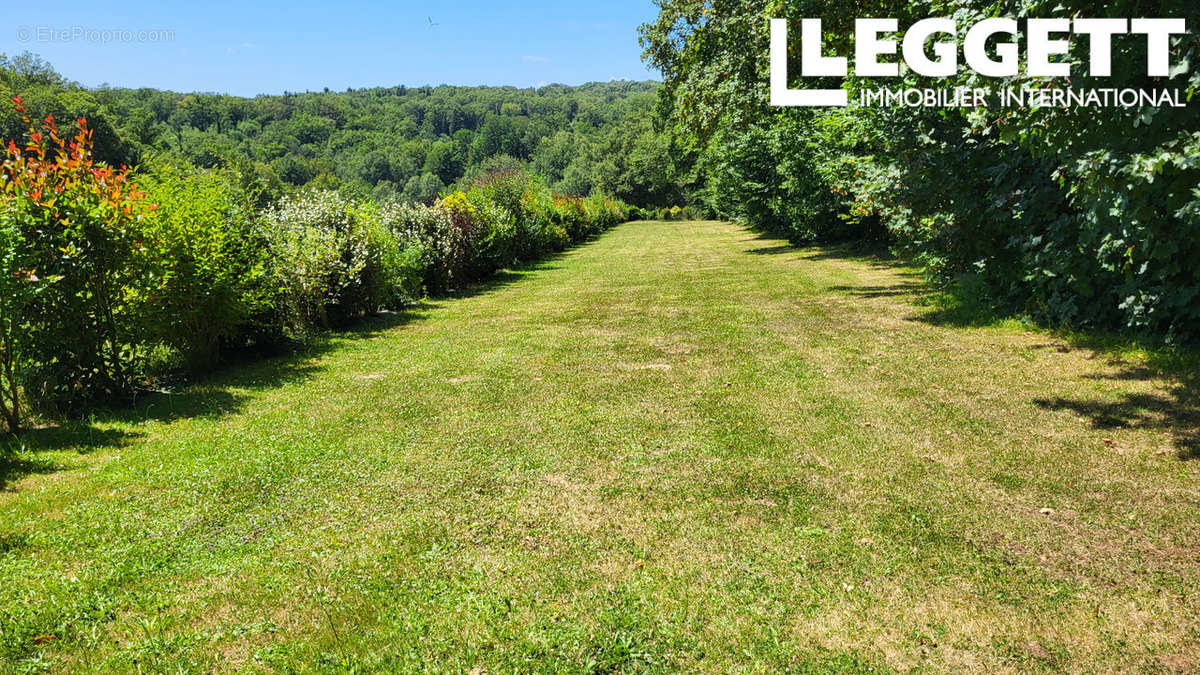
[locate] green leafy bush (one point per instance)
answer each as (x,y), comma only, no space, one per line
(541,222)
(569,212)
(502,218)
(334,259)
(19,286)
(427,232)
(468,227)
(395,271)
(208,270)
(72,242)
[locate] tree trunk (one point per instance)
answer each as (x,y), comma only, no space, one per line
(10,409)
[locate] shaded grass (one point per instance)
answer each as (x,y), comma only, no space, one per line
(656,452)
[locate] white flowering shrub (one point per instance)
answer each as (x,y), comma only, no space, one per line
(334,259)
(429,231)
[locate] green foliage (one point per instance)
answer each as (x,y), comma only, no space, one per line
(19,286)
(424,188)
(438,246)
(389,143)
(208,272)
(71,241)
(45,93)
(501,218)
(333,260)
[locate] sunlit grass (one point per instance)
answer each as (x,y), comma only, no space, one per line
(681,446)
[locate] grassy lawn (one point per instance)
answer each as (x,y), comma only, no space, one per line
(680,446)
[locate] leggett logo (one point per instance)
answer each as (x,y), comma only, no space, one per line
(1041,47)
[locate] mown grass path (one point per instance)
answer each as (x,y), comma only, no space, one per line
(681,446)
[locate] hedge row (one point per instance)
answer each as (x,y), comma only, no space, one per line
(109,279)
(672,213)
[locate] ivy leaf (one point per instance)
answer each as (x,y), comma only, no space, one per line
(1180,68)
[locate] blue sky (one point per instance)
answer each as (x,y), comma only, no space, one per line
(249,47)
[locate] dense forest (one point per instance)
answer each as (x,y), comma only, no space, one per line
(407,143)
(1086,217)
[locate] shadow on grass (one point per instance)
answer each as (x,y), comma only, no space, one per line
(910,289)
(212,397)
(14,466)
(772,250)
(962,303)
(1174,409)
(496,282)
(871,252)
(224,391)
(511,275)
(20,454)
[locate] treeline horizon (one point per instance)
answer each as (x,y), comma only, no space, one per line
(388,143)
